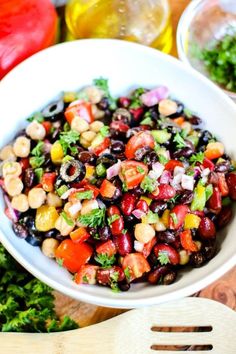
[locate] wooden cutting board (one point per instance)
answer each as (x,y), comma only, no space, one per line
(223,290)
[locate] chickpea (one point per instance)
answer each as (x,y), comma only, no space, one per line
(159,226)
(7,153)
(79,124)
(20,203)
(54,200)
(167,107)
(62,226)
(94,94)
(73,209)
(144,232)
(89,135)
(96,126)
(49,247)
(184,257)
(13,185)
(21,146)
(97,113)
(88,206)
(36,197)
(36,131)
(85,143)
(11,168)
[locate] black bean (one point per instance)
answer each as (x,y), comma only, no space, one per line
(194,120)
(54,111)
(20,230)
(205,137)
(52,233)
(151,158)
(179,111)
(104,233)
(87,157)
(138,191)
(169,278)
(167,236)
(34,240)
(130,220)
(197,259)
(154,114)
(209,249)
(223,166)
(103,104)
(124,286)
(157,207)
(29,177)
(212,217)
(141,152)
(107,160)
(186,197)
(117,146)
(184,152)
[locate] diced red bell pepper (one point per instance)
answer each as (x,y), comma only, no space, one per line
(208,164)
(47,126)
(119,126)
(224,189)
(177,216)
(107,189)
(107,248)
(136,264)
(101,147)
(48,179)
(79,235)
(81,109)
(187,242)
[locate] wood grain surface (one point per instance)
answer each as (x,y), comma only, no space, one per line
(223,290)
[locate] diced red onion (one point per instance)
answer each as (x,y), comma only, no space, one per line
(158,168)
(138,213)
(205,172)
(68,193)
(151,98)
(197,171)
(101,204)
(114,170)
(14,214)
(74,208)
(178,170)
(47,146)
(138,246)
(187,182)
(165,177)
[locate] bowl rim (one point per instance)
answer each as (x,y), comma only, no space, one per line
(182,34)
(112,301)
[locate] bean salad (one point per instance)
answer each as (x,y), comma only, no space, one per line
(118,190)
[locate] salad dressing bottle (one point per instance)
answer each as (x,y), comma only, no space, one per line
(142,21)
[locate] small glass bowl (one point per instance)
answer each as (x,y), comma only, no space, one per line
(202,22)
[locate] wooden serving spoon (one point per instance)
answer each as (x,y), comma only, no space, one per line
(147,330)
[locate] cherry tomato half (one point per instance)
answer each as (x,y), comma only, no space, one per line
(141,139)
(81,109)
(136,264)
(132,173)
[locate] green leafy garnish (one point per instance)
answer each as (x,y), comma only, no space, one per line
(180,143)
(37,116)
(67,219)
(38,150)
(147,121)
(135,98)
(140,169)
(127,273)
(199,157)
(95,218)
(162,159)
(60,261)
(188,113)
(124,187)
(104,131)
(26,304)
(104,260)
(67,139)
(148,184)
(103,85)
(209,191)
(85,279)
(36,161)
(39,173)
(84,195)
(163,257)
(113,218)
(150,218)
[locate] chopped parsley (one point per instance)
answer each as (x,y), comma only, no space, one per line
(38,149)
(124,187)
(135,98)
(104,260)
(67,219)
(85,279)
(180,143)
(114,276)
(127,273)
(188,113)
(148,184)
(84,195)
(39,173)
(36,161)
(37,116)
(67,139)
(60,262)
(61,190)
(102,84)
(199,157)
(140,169)
(124,231)
(104,131)
(162,159)
(163,257)
(95,218)
(113,218)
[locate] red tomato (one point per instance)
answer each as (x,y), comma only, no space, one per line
(141,139)
(171,253)
(101,147)
(136,264)
(81,109)
(48,180)
(147,248)
(86,274)
(119,126)
(107,248)
(132,173)
(25,28)
(170,165)
(187,242)
(208,164)
(177,216)
(224,189)
(107,189)
(47,126)
(79,235)
(73,255)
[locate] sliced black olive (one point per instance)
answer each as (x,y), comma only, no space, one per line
(72,171)
(54,111)
(107,160)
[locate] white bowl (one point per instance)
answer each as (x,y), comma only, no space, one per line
(72,65)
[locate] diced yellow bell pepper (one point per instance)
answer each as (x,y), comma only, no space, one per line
(147,200)
(46,217)
(69,97)
(57,153)
(191,221)
(90,170)
(166,218)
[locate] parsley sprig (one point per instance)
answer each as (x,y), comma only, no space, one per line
(68,139)
(180,143)
(95,218)
(148,184)
(199,157)
(103,85)
(104,260)
(163,257)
